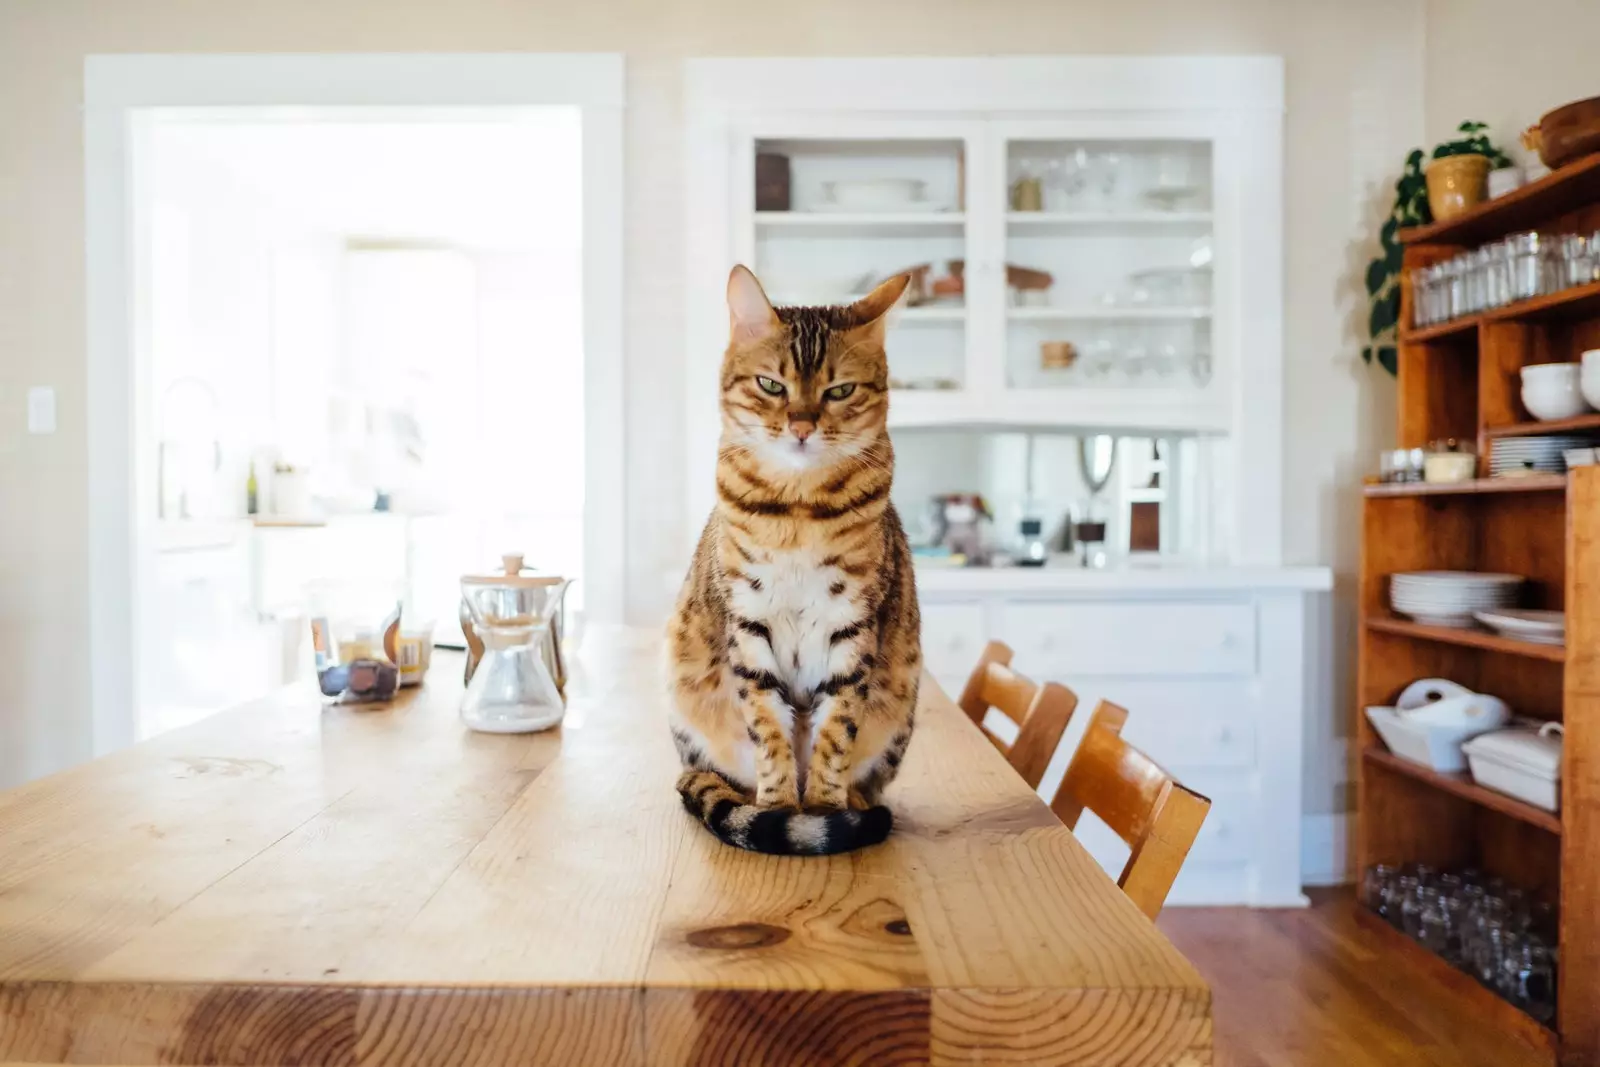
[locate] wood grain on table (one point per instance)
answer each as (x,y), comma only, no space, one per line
(287,884)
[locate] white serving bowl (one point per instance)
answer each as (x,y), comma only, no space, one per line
(1552,391)
(1589,386)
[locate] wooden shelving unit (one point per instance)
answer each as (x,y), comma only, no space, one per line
(1461,379)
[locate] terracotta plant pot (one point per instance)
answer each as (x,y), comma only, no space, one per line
(1456,183)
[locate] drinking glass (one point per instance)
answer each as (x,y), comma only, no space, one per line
(1421,897)
(1374,884)
(1489,955)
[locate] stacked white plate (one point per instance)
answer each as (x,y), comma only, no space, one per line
(1451,598)
(1539,627)
(1525,455)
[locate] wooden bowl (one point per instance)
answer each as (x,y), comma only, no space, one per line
(1569,132)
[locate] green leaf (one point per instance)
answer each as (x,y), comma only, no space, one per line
(1394,261)
(1385,314)
(1388,231)
(1389,359)
(1366,353)
(1377,275)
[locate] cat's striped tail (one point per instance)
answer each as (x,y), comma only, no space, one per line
(728,813)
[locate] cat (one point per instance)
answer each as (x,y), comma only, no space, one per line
(794,652)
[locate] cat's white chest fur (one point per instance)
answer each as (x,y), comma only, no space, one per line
(795,602)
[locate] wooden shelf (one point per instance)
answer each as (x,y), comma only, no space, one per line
(1482,1002)
(1480,639)
(1577,302)
(1463,786)
(1528,483)
(1574,186)
(1530,429)
(1466,324)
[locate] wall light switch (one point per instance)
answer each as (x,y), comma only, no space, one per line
(41,409)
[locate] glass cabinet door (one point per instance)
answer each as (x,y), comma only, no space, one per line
(840,208)
(1108,261)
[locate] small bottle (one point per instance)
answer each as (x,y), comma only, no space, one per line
(251,492)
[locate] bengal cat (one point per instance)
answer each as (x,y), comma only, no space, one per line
(794,650)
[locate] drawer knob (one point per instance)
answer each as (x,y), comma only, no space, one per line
(1225,735)
(1230,640)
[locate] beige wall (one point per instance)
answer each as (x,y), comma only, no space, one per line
(1354,106)
(1507,64)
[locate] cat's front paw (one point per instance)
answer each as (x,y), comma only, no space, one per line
(821,797)
(777,796)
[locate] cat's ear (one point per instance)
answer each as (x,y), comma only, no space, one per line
(871,310)
(750,313)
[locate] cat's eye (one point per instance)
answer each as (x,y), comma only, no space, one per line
(839,392)
(770,387)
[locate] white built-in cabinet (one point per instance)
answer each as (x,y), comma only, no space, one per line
(1150,190)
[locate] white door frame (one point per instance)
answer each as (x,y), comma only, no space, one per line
(119,92)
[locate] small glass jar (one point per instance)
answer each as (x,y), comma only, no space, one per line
(1525,257)
(1375,884)
(1416,902)
(1395,896)
(1528,980)
(1489,956)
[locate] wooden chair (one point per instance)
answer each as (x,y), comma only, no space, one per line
(1157,817)
(1041,712)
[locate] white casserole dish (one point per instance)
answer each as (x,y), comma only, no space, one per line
(1432,734)
(1522,763)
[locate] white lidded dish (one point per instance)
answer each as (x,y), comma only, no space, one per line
(1432,718)
(1522,763)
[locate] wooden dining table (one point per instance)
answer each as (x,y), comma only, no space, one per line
(289,883)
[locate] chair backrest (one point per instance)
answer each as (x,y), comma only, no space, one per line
(1156,816)
(1040,712)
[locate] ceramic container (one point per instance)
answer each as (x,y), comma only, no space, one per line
(1455,184)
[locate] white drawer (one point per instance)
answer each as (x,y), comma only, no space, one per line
(1180,742)
(1158,638)
(952,638)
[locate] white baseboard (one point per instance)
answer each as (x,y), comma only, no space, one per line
(1325,850)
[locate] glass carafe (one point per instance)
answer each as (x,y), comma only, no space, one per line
(514,689)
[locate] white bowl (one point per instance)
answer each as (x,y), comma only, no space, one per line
(1590,361)
(1551,372)
(1589,386)
(1546,401)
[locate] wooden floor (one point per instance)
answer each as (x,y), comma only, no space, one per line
(1309,988)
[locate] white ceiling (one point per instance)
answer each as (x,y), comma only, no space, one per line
(506,179)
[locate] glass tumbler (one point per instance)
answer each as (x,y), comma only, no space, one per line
(1374,886)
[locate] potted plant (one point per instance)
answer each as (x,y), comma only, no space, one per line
(1415,205)
(1458,176)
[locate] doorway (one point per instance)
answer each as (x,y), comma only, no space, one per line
(340,354)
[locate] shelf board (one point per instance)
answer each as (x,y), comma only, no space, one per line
(862,223)
(1109,314)
(1530,483)
(1051,223)
(953,313)
(1083,408)
(1577,302)
(1480,639)
(1463,786)
(1441,330)
(1573,186)
(1528,429)
(1481,1002)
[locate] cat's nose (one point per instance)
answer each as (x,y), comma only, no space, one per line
(802,428)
